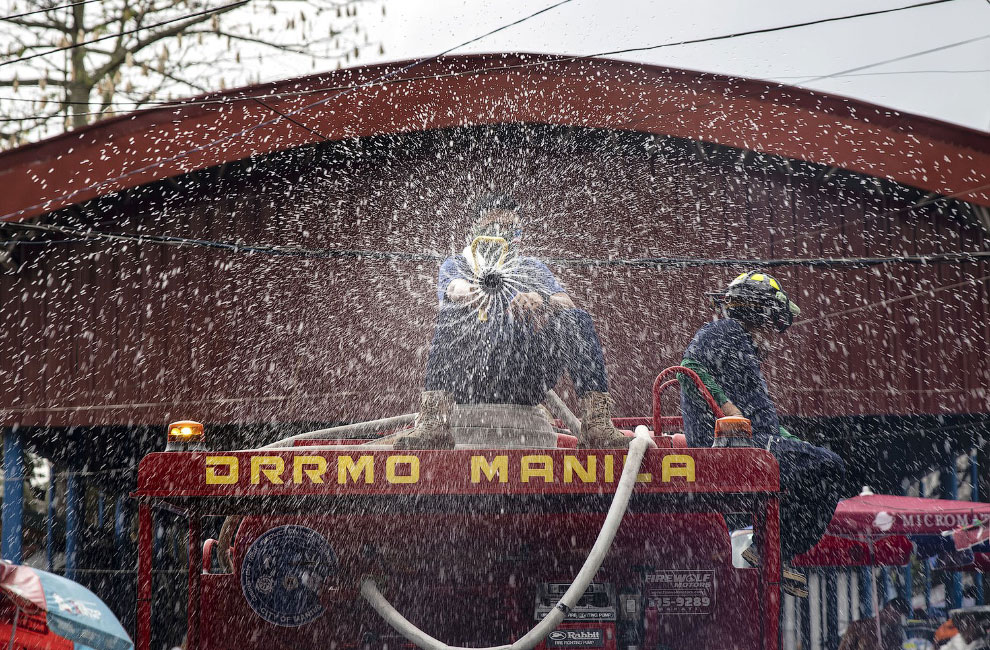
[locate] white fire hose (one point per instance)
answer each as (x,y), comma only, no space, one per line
(620,502)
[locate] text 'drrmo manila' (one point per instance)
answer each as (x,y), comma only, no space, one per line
(368,469)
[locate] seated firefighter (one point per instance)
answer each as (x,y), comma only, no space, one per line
(506,331)
(726,354)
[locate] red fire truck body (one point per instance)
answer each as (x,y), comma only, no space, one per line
(473,546)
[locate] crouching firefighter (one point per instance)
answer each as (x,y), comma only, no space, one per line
(726,354)
(506,331)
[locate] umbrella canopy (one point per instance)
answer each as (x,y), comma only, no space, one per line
(884,530)
(879,515)
(70,610)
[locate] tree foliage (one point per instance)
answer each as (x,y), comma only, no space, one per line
(120,55)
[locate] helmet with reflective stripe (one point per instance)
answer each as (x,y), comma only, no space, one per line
(757,299)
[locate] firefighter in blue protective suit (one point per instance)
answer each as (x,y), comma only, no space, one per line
(506,331)
(726,353)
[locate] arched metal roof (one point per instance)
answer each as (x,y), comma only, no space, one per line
(795,123)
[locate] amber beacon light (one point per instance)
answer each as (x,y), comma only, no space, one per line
(185,435)
(733,431)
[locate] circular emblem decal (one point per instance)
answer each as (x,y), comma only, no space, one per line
(884,521)
(283,573)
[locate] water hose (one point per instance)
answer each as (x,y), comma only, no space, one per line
(343,431)
(552,401)
(558,408)
(616,511)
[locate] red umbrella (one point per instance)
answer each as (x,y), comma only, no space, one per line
(21,585)
(879,529)
(31,631)
(879,515)
(43,611)
(844,551)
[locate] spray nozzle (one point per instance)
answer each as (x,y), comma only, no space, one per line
(491,281)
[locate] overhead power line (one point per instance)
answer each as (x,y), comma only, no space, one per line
(287,115)
(89,235)
(768,30)
(44,11)
(232,5)
(896,59)
(797,76)
(387,78)
(227,101)
(539,63)
(890,301)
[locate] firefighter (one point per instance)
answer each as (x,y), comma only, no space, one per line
(726,353)
(506,331)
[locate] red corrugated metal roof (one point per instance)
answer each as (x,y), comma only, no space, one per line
(454,91)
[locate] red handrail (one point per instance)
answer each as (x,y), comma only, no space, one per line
(208,546)
(661,383)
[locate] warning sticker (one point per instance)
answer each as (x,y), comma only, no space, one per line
(681,592)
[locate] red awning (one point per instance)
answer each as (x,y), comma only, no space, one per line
(876,530)
(880,515)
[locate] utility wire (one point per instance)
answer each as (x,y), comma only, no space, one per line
(386,77)
(802,76)
(232,5)
(767,30)
(249,129)
(179,103)
(639,262)
(227,101)
(896,59)
(43,11)
(891,301)
(293,120)
(813,262)
(563,59)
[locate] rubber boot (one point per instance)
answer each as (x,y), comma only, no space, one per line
(597,430)
(432,424)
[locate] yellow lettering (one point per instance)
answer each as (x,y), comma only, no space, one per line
(347,467)
(527,469)
(499,466)
(394,477)
(271,466)
(587,474)
(642,477)
(678,465)
(215,462)
(609,469)
(314,467)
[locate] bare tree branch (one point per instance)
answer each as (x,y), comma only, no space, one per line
(145,50)
(153,38)
(32,82)
(35,24)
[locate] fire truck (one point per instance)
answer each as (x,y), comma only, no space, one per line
(338,542)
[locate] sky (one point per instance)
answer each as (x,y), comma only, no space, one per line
(951,85)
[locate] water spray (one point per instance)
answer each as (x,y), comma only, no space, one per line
(491,279)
